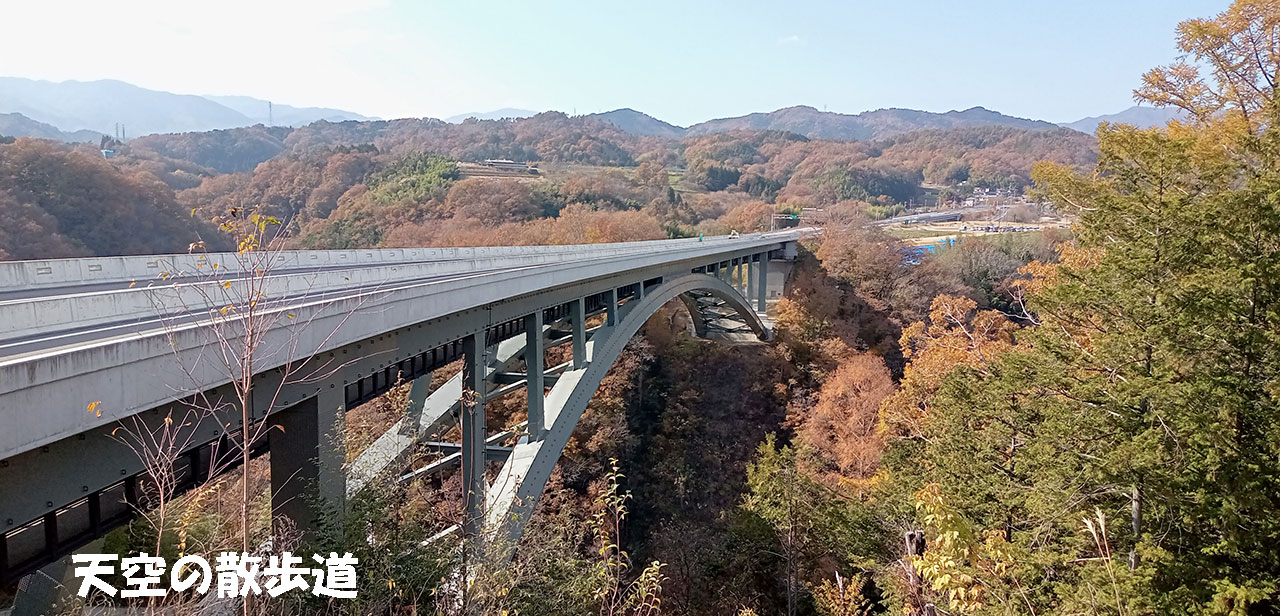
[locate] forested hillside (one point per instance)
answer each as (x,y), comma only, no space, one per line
(989,156)
(877,124)
(638,123)
(332,183)
(1059,422)
(1100,437)
(18,125)
(58,200)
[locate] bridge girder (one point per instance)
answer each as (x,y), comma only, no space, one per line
(515,491)
(364,369)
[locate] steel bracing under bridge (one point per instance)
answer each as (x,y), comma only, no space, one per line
(78,331)
(721,299)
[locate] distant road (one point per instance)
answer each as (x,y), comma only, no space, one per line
(942,216)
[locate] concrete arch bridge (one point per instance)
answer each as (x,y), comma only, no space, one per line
(89,345)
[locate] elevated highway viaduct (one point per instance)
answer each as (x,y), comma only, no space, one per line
(97,353)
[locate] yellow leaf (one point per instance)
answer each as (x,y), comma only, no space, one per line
(93,408)
(226,285)
(132,284)
(290,315)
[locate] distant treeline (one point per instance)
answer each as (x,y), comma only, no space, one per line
(359,183)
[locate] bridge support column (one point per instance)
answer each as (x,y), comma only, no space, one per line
(751,280)
(418,391)
(742,276)
(533,360)
(308,483)
(611,307)
(577,316)
(517,488)
(762,287)
(473,434)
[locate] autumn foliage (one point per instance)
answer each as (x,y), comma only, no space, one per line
(843,427)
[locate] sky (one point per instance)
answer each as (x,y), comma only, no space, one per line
(683,62)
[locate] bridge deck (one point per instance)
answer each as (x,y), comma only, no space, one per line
(132,335)
(75,337)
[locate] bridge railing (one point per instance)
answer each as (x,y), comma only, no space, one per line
(200,287)
(45,273)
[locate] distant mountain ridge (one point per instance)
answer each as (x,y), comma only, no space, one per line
(101,105)
(256,110)
(1137,115)
(496,114)
(73,107)
(638,123)
(801,120)
(878,124)
(18,125)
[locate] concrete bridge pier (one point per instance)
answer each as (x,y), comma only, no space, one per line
(577,316)
(762,285)
(474,388)
(534,355)
(419,389)
(611,307)
(308,483)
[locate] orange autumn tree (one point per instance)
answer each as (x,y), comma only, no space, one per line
(841,428)
(956,334)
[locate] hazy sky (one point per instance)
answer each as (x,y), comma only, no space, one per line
(683,62)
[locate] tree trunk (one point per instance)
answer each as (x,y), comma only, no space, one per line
(1135,502)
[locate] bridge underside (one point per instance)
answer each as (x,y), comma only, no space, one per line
(73,491)
(718,304)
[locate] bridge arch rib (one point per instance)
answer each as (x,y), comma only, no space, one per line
(518,487)
(716,307)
